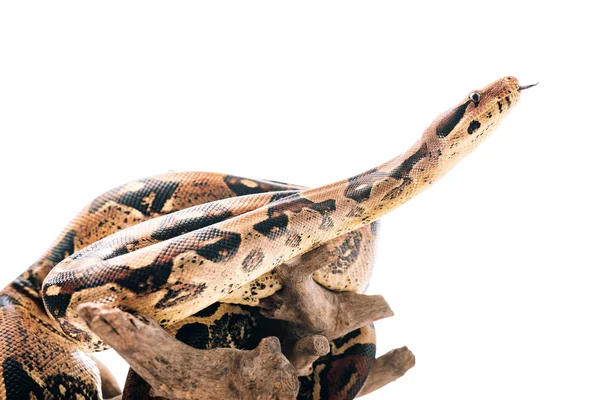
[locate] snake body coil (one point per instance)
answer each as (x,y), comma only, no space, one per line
(200,248)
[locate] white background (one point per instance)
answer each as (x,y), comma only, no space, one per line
(493,273)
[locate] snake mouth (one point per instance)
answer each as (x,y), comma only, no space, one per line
(521,88)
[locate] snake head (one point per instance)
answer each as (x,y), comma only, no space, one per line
(459,130)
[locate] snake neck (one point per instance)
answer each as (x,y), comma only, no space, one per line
(363,198)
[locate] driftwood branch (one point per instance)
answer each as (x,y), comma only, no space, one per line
(178,371)
(305,316)
(311,309)
(387,369)
(306,351)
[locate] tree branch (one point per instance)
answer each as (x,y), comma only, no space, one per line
(178,371)
(387,368)
(315,310)
(306,351)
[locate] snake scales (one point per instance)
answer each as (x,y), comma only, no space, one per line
(199,249)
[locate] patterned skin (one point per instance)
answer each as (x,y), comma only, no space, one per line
(173,245)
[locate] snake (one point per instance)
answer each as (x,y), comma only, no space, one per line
(198,251)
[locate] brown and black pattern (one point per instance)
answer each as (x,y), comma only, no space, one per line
(253,260)
(244,186)
(273,227)
(176,267)
(148,199)
(404,170)
(228,326)
(360,186)
(20,385)
(344,370)
(348,252)
(172,228)
(448,124)
(217,326)
(37,362)
(278,215)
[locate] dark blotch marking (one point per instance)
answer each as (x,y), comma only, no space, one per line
(398,190)
(194,334)
(324,207)
(293,239)
(360,186)
(354,364)
(73,385)
(208,311)
(147,279)
(119,251)
(473,126)
(339,342)
(231,330)
(223,249)
(339,370)
(20,385)
(404,169)
(295,204)
(180,292)
(253,260)
(81,336)
(447,124)
(144,280)
(17,382)
(282,195)
(237,186)
(28,285)
(64,248)
(57,304)
(168,231)
(356,212)
(500,106)
(508,103)
(347,252)
(162,190)
(273,227)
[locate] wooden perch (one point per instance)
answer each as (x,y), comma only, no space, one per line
(304,315)
(315,310)
(178,371)
(387,369)
(306,351)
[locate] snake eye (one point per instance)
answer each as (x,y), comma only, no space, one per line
(475,97)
